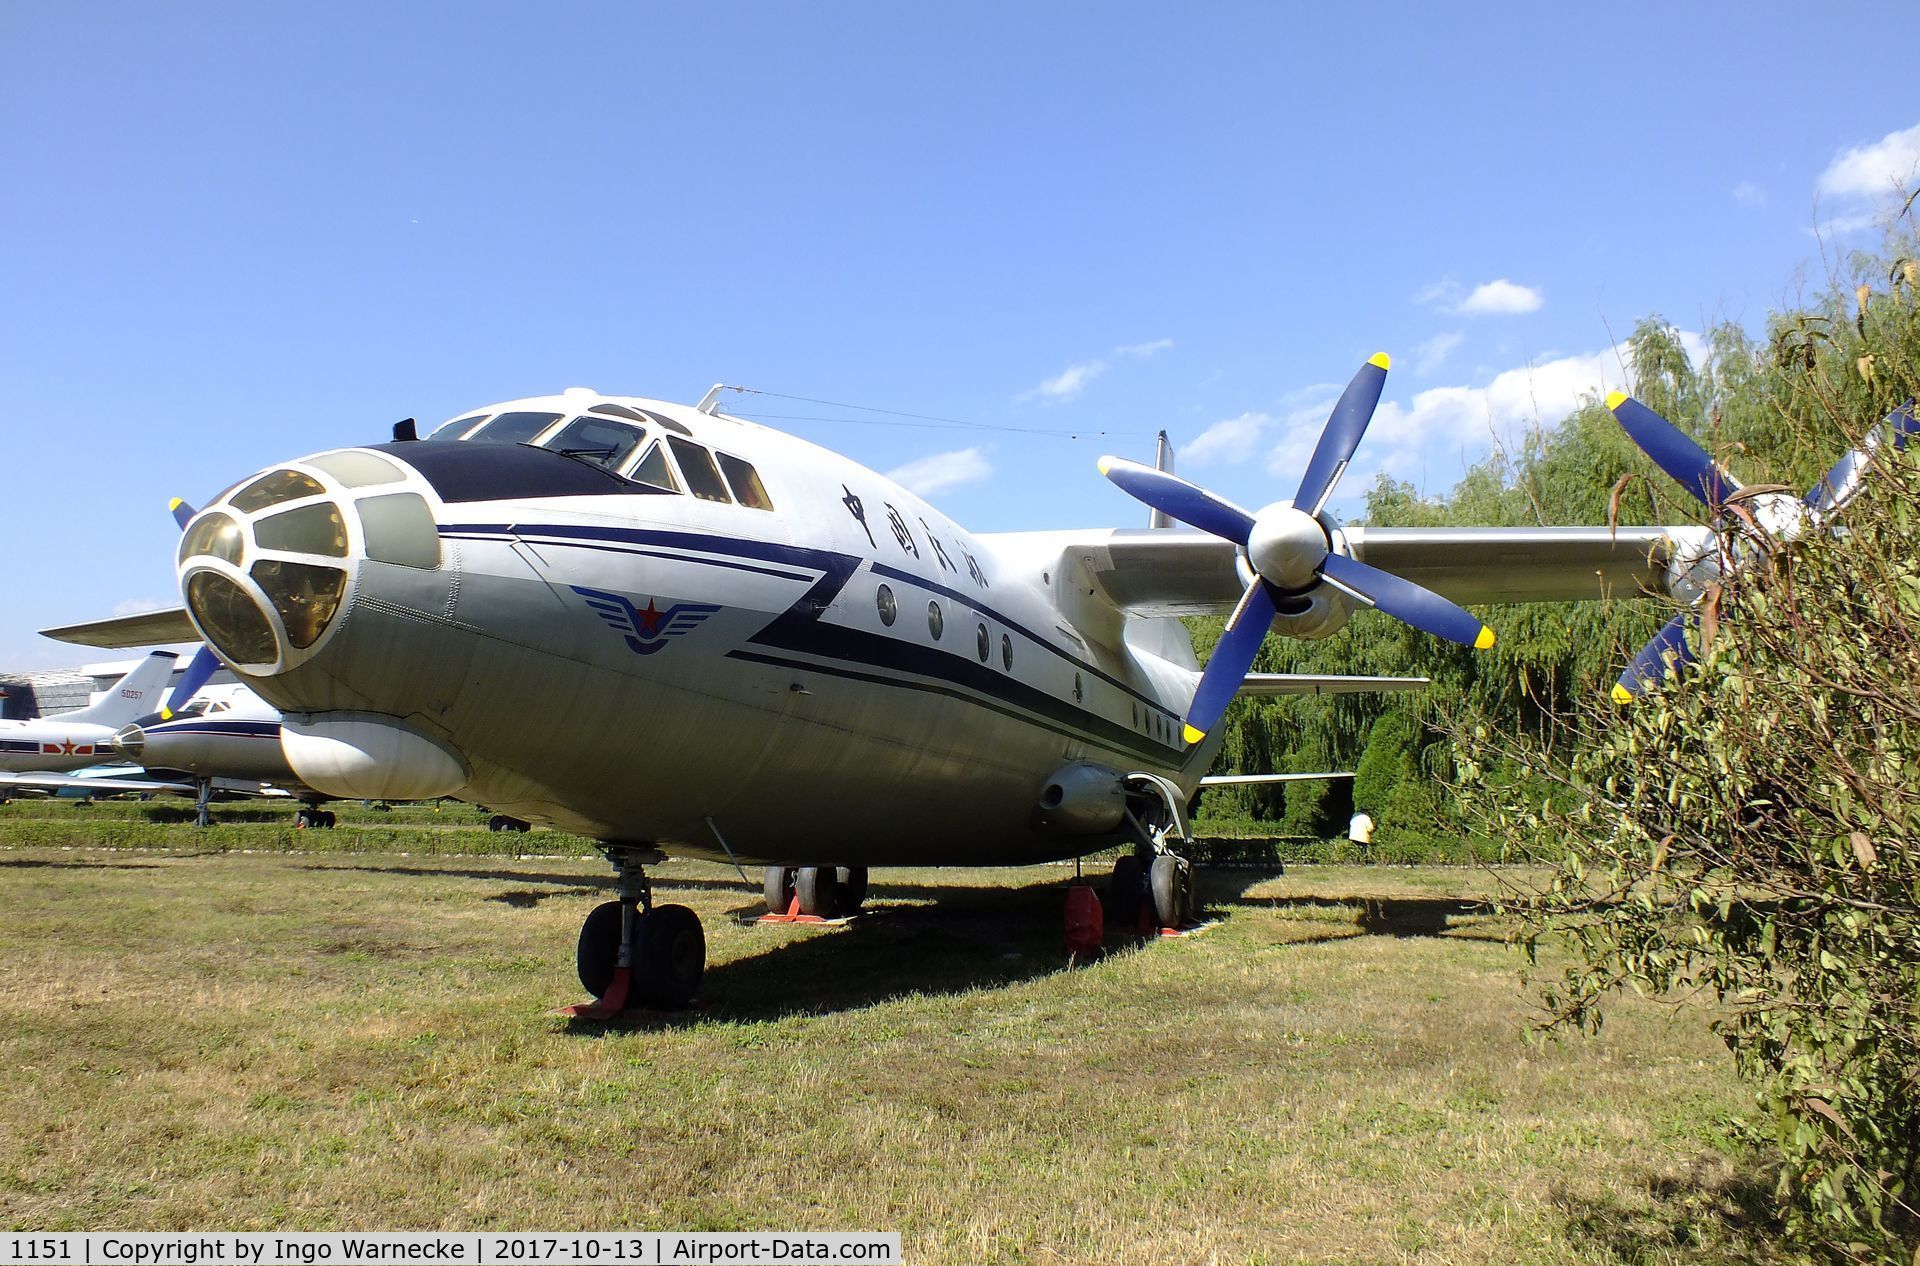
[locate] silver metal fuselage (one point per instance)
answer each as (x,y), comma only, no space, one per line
(658,669)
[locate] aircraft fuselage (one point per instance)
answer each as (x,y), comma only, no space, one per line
(841,674)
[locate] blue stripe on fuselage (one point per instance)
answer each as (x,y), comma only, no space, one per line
(800,628)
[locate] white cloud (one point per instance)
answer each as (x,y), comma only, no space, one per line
(1748,194)
(1886,167)
(1431,354)
(1442,425)
(1232,439)
(1494,298)
(1500,298)
(937,472)
(1870,181)
(1070,381)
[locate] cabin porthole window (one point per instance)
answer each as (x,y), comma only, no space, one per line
(936,620)
(983,642)
(1079,695)
(1006,652)
(889,610)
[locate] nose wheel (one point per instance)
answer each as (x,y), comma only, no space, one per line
(633,953)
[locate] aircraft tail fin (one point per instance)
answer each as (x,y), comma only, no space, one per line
(1162,460)
(134,695)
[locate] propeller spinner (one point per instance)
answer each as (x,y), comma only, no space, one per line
(1781,516)
(1290,550)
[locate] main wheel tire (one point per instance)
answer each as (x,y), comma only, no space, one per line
(1125,892)
(327,820)
(815,887)
(670,956)
(778,889)
(851,882)
(599,951)
(1172,881)
(498,822)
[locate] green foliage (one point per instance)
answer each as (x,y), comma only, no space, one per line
(1749,833)
(1387,760)
(1752,831)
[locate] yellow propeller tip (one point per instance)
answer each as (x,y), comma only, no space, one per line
(1192,735)
(166,714)
(1105,464)
(1485,639)
(1621,694)
(175,503)
(1380,360)
(1615,399)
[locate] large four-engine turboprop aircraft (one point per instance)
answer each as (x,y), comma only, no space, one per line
(670,629)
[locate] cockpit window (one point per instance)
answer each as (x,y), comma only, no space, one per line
(745,482)
(597,440)
(697,465)
(654,470)
(272,489)
(512,428)
(458,428)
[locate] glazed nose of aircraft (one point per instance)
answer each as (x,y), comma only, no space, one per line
(267,567)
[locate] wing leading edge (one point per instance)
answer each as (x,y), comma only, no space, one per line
(1181,571)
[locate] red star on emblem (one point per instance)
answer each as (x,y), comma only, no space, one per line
(650,620)
(66,748)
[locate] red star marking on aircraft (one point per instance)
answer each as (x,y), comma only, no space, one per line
(650,620)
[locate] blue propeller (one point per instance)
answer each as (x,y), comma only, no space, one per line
(1290,551)
(204,663)
(1674,452)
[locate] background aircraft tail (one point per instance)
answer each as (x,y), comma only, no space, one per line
(136,694)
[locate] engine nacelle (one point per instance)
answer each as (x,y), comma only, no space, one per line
(1082,799)
(1313,613)
(366,756)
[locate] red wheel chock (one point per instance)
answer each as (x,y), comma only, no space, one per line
(608,1005)
(793,915)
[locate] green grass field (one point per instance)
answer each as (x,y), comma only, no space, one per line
(342,1040)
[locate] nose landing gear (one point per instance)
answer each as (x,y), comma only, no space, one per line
(635,953)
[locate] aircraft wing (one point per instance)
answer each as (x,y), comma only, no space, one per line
(146,628)
(1247,780)
(50,783)
(1182,571)
(1322,684)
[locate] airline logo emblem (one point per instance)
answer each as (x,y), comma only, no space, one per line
(68,748)
(647,630)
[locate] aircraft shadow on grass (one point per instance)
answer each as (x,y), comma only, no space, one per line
(933,938)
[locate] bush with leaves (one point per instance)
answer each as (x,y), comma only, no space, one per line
(1751,831)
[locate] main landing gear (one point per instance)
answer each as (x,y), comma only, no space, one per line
(313,817)
(1153,882)
(635,953)
(819,892)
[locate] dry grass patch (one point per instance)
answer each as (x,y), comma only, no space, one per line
(360,1041)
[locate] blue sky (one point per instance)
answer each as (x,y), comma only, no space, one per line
(241,233)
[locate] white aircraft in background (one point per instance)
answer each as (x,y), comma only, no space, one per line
(666,628)
(75,740)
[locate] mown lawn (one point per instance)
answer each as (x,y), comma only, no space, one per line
(340,1041)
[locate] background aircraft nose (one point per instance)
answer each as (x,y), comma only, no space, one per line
(130,741)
